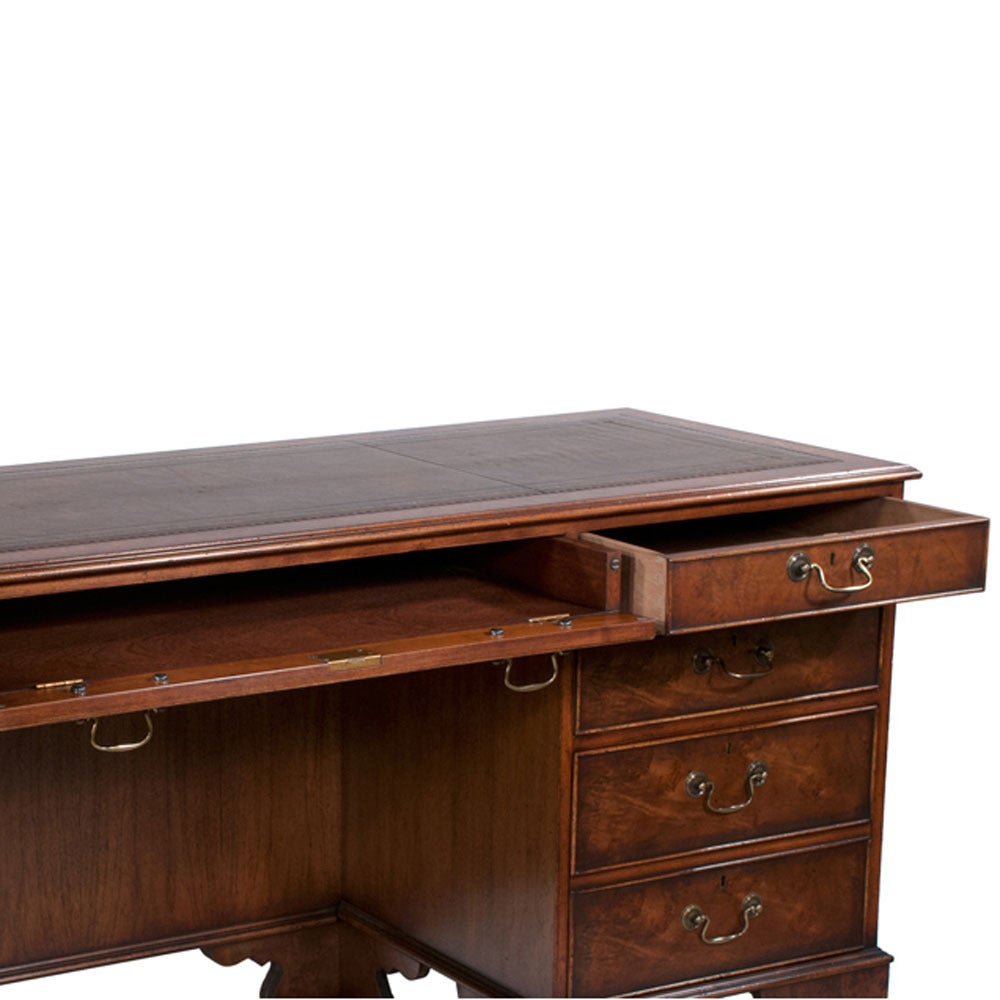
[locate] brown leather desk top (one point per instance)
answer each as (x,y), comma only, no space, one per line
(78,524)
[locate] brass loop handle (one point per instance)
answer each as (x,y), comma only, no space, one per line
(800,566)
(694,918)
(703,661)
(528,688)
(122,747)
(698,785)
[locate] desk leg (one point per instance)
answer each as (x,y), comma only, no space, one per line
(332,960)
(303,963)
(368,962)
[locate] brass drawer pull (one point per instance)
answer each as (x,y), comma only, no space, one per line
(528,688)
(763,655)
(697,785)
(800,566)
(694,919)
(122,747)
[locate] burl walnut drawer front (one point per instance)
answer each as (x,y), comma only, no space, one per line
(721,919)
(712,671)
(656,799)
(728,571)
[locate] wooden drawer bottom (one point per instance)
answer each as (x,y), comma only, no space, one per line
(631,937)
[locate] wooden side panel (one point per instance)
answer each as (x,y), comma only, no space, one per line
(644,578)
(887,638)
(229,816)
(453,818)
(576,571)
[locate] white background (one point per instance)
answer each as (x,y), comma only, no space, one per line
(224,222)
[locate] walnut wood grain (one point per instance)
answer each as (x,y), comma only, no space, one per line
(205,940)
(453,818)
(731,572)
(328,960)
(226,637)
(735,851)
(133,693)
(633,803)
(253,615)
(227,817)
(870,982)
(860,973)
(879,754)
(560,567)
(629,938)
(302,963)
(644,682)
(424,813)
(390,941)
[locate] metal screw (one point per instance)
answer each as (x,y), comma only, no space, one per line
(616,564)
(565,622)
(495,633)
(79,689)
(160,678)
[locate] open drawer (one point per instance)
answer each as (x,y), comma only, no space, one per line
(695,575)
(85,655)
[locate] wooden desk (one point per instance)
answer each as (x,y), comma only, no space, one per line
(585,704)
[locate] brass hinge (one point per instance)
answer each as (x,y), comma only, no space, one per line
(564,618)
(349,658)
(58,684)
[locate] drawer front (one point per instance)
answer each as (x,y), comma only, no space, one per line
(632,937)
(685,675)
(740,587)
(643,802)
(697,576)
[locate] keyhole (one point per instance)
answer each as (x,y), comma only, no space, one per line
(833,558)
(729,746)
(722,882)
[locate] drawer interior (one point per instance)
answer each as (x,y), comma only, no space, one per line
(296,627)
(881,515)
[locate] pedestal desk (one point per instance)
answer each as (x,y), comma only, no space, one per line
(577,705)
